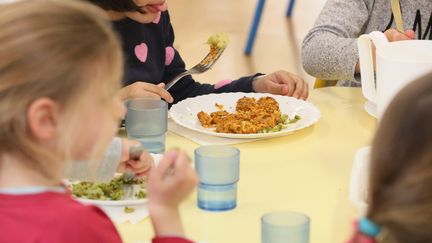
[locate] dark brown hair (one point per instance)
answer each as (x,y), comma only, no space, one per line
(401,167)
(117,5)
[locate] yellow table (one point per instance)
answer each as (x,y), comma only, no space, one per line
(307,171)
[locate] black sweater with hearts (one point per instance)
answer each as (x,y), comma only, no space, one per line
(151,57)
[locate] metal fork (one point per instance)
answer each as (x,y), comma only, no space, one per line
(135,154)
(201,67)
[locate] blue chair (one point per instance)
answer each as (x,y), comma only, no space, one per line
(256,21)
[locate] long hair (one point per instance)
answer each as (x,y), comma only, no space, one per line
(58,50)
(401,167)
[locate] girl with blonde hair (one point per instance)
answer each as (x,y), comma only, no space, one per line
(60,70)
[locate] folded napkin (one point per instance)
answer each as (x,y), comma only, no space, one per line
(204,139)
(359,183)
(118,214)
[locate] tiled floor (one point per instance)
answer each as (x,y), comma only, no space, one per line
(277,45)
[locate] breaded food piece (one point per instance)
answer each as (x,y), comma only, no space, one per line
(268,103)
(205,119)
(246,104)
(219,116)
(251,116)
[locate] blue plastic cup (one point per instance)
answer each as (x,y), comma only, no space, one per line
(285,227)
(147,121)
(218,168)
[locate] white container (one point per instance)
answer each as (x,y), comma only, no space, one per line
(397,64)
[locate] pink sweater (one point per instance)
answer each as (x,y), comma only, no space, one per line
(52,217)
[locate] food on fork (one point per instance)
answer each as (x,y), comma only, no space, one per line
(219,40)
(216,42)
(251,116)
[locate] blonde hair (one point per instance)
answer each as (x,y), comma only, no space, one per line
(54,49)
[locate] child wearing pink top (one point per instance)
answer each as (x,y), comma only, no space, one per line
(60,72)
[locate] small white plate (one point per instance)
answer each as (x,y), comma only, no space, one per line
(371,108)
(185,112)
(122,203)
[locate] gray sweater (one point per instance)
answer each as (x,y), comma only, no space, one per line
(329,50)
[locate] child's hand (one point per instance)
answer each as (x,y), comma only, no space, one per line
(169,183)
(394,35)
(141,167)
(145,90)
(282,83)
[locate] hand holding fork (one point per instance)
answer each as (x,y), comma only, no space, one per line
(204,65)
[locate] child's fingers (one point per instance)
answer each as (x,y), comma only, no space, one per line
(158,90)
(137,164)
(394,35)
(305,93)
(167,161)
(184,173)
(300,86)
(288,80)
(142,171)
(143,89)
(410,33)
(146,158)
(146,94)
(279,89)
(182,161)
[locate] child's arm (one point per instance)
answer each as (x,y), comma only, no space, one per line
(329,50)
(280,82)
(169,183)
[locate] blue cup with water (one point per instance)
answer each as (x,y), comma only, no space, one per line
(285,227)
(147,121)
(218,169)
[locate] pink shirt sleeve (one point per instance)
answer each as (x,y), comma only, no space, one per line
(172,239)
(84,225)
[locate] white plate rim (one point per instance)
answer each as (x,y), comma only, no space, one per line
(122,203)
(283,132)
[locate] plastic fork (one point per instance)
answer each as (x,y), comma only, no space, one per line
(204,65)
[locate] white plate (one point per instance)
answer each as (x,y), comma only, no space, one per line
(123,203)
(185,112)
(370,108)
